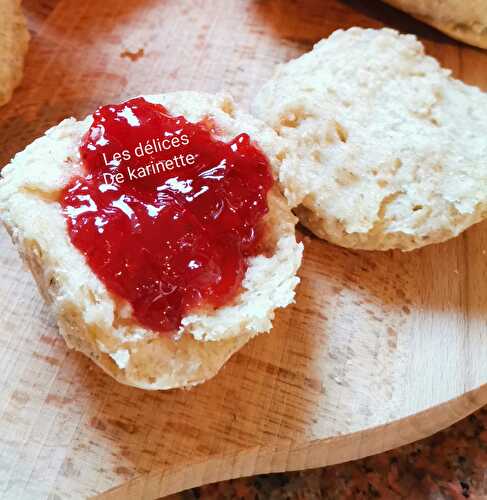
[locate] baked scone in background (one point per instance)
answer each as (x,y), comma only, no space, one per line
(89,318)
(384,149)
(14,40)
(465,20)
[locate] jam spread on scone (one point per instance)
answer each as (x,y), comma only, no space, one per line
(166,214)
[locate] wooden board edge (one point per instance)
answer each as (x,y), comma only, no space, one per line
(300,456)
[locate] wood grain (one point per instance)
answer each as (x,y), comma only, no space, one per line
(380,349)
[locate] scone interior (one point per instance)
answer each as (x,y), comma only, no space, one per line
(89,317)
(384,149)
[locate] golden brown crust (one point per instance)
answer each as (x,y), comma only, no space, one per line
(459,32)
(464,20)
(14,40)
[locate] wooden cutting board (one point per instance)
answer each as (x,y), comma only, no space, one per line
(380,349)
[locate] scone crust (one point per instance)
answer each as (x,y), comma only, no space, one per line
(89,318)
(14,40)
(464,20)
(384,149)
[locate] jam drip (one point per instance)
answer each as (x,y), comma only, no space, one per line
(165,214)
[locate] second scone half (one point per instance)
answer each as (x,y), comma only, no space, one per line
(98,322)
(384,148)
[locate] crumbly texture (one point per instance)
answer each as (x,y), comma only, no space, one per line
(89,318)
(14,40)
(465,20)
(384,149)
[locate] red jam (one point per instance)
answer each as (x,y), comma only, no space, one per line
(165,214)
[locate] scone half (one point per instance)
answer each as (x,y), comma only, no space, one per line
(89,317)
(384,149)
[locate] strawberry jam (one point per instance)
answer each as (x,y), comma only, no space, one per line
(165,214)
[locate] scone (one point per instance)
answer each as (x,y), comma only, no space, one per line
(14,39)
(384,149)
(465,20)
(46,205)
